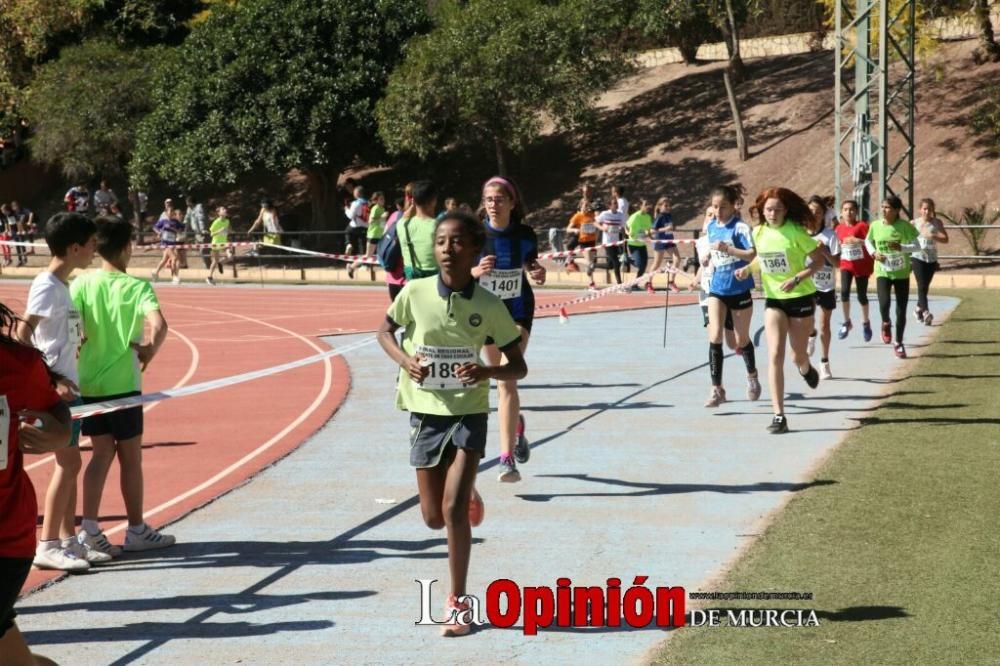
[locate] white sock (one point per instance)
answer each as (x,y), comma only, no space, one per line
(67,542)
(90,527)
(47,544)
(137,529)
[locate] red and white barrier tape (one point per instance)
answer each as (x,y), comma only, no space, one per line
(197,246)
(608,291)
(361,258)
(582,250)
(93,409)
(24,244)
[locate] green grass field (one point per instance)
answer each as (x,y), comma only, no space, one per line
(902,552)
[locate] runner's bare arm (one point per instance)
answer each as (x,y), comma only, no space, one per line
(386,337)
(53,434)
(26,327)
(514,368)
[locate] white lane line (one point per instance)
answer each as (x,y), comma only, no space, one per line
(327,385)
(192,368)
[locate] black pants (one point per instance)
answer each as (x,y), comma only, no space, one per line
(358,237)
(640,257)
(924,272)
(614,254)
(845,287)
(394,290)
(902,289)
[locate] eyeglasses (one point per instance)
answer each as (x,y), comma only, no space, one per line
(495,200)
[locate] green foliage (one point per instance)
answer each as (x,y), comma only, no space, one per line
(978,220)
(144,22)
(86,105)
(684,25)
(272,84)
(495,71)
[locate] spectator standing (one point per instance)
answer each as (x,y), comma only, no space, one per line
(78,199)
(26,219)
(357,227)
(104,197)
(196,224)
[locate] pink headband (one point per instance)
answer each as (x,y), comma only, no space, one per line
(505,184)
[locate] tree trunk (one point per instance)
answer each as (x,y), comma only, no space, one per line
(741,141)
(731,32)
(986,37)
(323,197)
(501,156)
(689,50)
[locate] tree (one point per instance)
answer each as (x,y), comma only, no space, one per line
(684,25)
(492,72)
(30,30)
(989,44)
(246,91)
(87,104)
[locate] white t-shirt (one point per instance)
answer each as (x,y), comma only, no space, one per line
(823,277)
(704,250)
(623,206)
(60,331)
(615,222)
(354,214)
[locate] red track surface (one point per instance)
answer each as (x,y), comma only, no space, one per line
(198,447)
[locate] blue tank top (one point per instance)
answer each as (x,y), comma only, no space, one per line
(735,232)
(514,247)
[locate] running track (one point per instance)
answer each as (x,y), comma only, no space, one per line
(199,447)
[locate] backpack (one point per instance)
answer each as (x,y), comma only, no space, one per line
(388,251)
(365,210)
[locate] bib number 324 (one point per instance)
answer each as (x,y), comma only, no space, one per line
(442,365)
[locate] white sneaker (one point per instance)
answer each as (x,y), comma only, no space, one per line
(148,539)
(98,542)
(60,559)
(210,281)
(176,280)
(753,388)
(811,345)
(824,371)
(85,552)
(156,276)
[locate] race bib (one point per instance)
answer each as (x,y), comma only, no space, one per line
(505,283)
(720,259)
(774,262)
(823,279)
(443,364)
(74,332)
(588,228)
(168,235)
(894,261)
(4,430)
(852,252)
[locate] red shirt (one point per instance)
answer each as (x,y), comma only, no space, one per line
(860,267)
(24,384)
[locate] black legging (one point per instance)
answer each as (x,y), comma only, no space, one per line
(614,260)
(640,257)
(924,272)
(845,286)
(902,288)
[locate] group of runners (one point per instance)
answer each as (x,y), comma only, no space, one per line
(461,314)
(798,256)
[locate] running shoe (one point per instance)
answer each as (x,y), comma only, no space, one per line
(867,331)
(717,397)
(522,450)
(928,318)
(147,539)
(155,276)
(349,249)
(98,542)
(899,350)
(918,314)
(508,470)
(477,510)
(845,328)
(753,387)
(60,559)
(649,288)
(592,286)
(886,332)
(674,288)
(85,552)
(811,345)
(176,280)
(452,627)
(811,377)
(779,425)
(825,371)
(350,271)
(210,281)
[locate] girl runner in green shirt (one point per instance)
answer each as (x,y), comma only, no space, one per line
(783,245)
(891,240)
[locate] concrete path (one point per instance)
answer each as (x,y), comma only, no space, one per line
(314,560)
